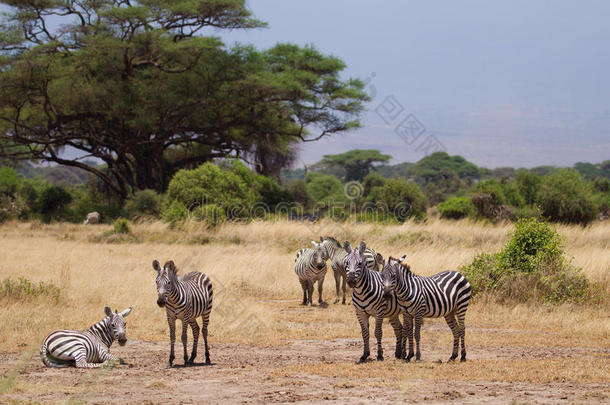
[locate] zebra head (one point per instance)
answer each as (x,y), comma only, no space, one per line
(320,254)
(389,274)
(354,263)
(166,276)
(117,324)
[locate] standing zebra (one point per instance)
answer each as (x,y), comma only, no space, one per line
(444,294)
(310,266)
(185,298)
(369,299)
(337,255)
(88,348)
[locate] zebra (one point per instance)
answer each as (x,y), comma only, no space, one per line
(310,266)
(369,299)
(88,348)
(444,294)
(337,255)
(185,298)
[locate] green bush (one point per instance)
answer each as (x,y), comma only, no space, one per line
(121,226)
(325,189)
(52,203)
(23,290)
(456,208)
(531,267)
(144,203)
(9,181)
(528,185)
(401,198)
(565,197)
(487,198)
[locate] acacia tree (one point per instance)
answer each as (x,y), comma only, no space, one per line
(139,85)
(355,164)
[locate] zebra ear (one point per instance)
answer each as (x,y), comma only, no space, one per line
(170,264)
(362,247)
(313,242)
(347,247)
(108,311)
(126,312)
(402,258)
(321,239)
(156,265)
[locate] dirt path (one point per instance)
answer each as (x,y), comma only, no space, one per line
(301,371)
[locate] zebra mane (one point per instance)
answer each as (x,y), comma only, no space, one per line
(405,266)
(175,269)
(333,240)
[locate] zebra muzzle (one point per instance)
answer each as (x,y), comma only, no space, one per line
(161,302)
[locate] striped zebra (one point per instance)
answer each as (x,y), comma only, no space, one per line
(88,348)
(337,255)
(369,299)
(444,294)
(185,298)
(310,266)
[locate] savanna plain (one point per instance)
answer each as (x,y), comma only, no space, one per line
(265,346)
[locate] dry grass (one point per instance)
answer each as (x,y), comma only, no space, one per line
(257,293)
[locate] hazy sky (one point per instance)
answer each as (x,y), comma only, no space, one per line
(516,83)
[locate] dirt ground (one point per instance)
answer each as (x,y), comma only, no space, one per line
(301,371)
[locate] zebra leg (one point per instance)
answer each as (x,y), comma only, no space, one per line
(408,320)
(204,331)
(195,329)
(337,274)
(304,287)
(462,328)
(172,339)
(320,283)
(310,292)
(418,323)
(344,288)
(379,335)
(80,360)
(184,325)
(363,319)
(450,318)
(396,325)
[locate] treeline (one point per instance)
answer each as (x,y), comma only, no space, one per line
(349,186)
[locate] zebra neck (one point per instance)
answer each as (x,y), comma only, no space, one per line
(336,253)
(364,281)
(176,292)
(405,281)
(103,330)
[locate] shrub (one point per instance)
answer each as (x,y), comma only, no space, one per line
(23,289)
(565,197)
(8,181)
(52,203)
(144,203)
(456,208)
(121,226)
(325,189)
(528,185)
(488,197)
(531,267)
(401,198)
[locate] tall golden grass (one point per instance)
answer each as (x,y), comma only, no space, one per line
(257,294)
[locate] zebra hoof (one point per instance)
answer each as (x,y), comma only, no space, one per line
(463,360)
(380,358)
(362,359)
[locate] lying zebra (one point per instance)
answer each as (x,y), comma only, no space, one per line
(369,299)
(444,294)
(89,348)
(185,298)
(310,267)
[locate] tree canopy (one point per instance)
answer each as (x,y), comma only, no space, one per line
(142,86)
(354,164)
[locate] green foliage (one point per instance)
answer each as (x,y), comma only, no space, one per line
(324,189)
(8,181)
(401,199)
(430,168)
(565,197)
(52,203)
(121,226)
(456,208)
(24,290)
(144,203)
(356,163)
(299,194)
(531,267)
(488,197)
(528,185)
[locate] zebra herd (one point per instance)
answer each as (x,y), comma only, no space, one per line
(185,298)
(388,293)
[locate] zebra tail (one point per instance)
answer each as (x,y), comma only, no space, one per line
(45,358)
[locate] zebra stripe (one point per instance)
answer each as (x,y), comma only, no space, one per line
(337,255)
(310,266)
(369,299)
(88,348)
(445,294)
(185,298)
